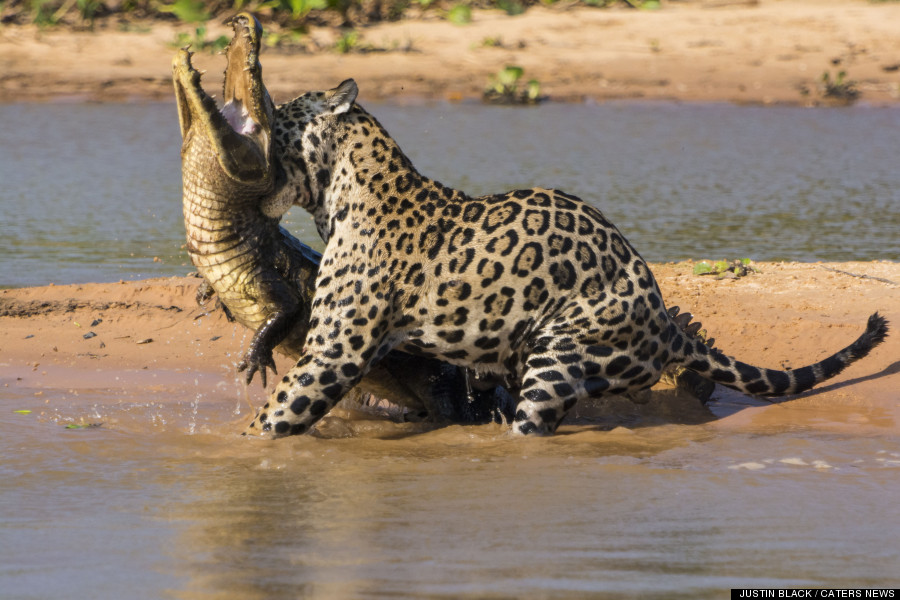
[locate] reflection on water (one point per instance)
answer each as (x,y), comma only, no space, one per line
(140,508)
(93,192)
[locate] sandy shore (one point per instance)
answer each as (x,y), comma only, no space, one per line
(746,51)
(149,337)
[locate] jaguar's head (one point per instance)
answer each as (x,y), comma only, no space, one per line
(306,131)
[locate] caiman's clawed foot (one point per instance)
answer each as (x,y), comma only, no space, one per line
(257,361)
(205,291)
(273,331)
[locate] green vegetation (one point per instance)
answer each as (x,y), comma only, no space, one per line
(286,15)
(199,42)
(504,88)
(726,269)
(839,89)
(511,7)
(347,42)
(188,11)
(289,37)
(88,9)
(299,9)
(460,14)
(43,14)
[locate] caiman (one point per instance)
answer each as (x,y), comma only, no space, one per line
(263,276)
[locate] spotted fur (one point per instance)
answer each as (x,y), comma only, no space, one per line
(535,285)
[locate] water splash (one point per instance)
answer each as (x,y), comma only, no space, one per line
(195,407)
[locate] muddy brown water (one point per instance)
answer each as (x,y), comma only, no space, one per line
(667,500)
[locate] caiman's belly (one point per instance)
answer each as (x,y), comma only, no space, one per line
(227,261)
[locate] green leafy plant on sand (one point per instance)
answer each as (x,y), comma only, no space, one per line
(87,10)
(188,11)
(511,7)
(299,9)
(42,13)
(348,42)
(724,269)
(840,88)
(282,39)
(460,14)
(504,88)
(199,42)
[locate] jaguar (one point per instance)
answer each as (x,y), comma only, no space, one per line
(534,285)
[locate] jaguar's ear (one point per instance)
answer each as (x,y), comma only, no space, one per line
(341,98)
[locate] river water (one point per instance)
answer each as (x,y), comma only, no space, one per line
(92,192)
(165,500)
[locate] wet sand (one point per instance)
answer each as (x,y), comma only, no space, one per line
(745,51)
(149,337)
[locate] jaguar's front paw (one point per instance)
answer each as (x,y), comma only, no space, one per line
(260,426)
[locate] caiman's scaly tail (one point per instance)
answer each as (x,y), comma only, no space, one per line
(715,366)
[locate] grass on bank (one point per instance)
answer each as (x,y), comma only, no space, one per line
(294,15)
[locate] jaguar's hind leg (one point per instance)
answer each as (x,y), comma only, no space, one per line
(549,384)
(564,370)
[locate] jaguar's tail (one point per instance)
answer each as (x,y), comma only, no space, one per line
(715,366)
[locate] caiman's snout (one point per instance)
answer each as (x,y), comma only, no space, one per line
(248,107)
(240,133)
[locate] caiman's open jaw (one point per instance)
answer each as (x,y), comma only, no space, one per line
(241,132)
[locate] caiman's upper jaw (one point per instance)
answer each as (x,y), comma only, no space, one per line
(243,153)
(248,107)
